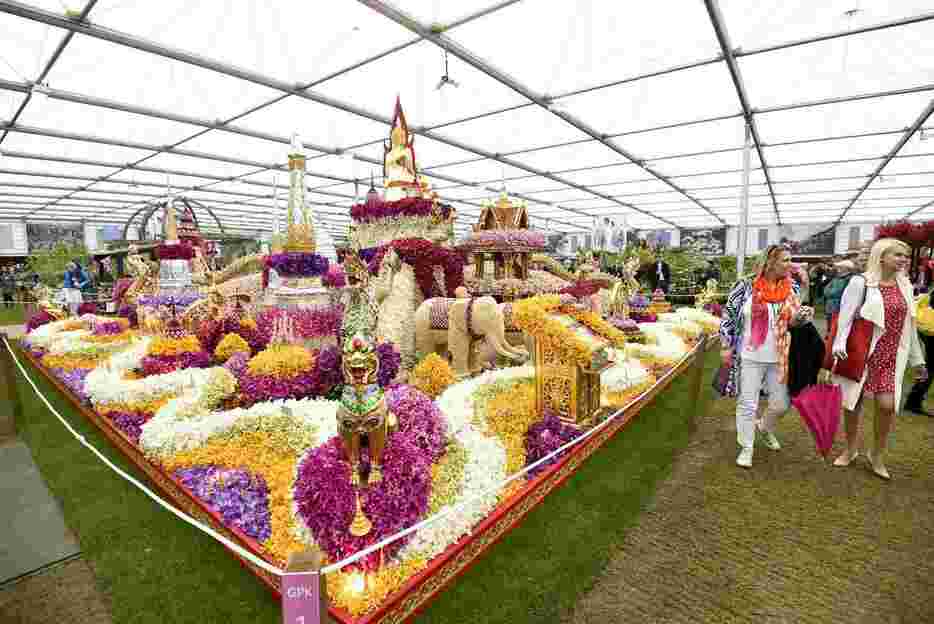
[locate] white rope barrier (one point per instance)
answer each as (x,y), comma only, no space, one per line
(252,558)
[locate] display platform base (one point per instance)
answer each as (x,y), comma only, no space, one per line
(416,593)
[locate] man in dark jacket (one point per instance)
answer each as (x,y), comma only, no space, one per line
(657,274)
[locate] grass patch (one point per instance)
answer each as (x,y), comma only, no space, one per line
(13,315)
(157,569)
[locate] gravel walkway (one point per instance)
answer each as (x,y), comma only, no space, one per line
(792,540)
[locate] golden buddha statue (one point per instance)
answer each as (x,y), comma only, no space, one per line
(401,175)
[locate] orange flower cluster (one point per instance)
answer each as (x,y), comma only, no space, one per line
(432,375)
(259,453)
(173,347)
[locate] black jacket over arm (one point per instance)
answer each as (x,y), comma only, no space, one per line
(805,356)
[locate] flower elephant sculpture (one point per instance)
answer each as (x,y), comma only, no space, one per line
(456,324)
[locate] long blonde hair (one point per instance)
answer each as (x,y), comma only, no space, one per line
(873,272)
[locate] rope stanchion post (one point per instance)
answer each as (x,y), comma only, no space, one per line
(10,406)
(695,405)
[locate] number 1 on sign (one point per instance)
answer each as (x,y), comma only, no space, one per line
(300,619)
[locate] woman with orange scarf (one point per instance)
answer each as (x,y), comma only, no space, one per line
(755,340)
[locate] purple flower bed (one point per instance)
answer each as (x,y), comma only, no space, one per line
(161,364)
(130,423)
(107,328)
(544,437)
(180,300)
(389,361)
(292,264)
(326,501)
(419,418)
(73,380)
(129,313)
(325,498)
(241,498)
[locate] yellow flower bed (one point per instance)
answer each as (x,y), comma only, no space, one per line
(71,362)
(597,324)
(172,347)
(344,588)
(230,344)
(509,410)
(149,407)
(260,453)
(124,336)
(627,396)
(282,361)
(531,316)
(432,375)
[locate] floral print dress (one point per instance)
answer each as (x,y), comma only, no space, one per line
(881,364)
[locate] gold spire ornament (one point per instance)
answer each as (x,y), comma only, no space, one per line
(171,225)
(360,525)
(300,235)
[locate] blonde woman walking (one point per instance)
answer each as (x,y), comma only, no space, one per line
(882,296)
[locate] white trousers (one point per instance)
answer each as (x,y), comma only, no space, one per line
(754,377)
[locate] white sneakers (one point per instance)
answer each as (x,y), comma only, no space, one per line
(767,438)
(745,458)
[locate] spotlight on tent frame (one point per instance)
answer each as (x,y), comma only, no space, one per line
(445,77)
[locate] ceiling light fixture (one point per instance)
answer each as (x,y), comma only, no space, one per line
(445,78)
(923,135)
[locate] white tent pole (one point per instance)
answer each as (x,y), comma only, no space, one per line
(744,208)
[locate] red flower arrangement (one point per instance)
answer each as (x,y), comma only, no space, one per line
(423,256)
(175,252)
(375,209)
(582,289)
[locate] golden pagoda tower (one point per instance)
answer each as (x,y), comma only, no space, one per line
(301,230)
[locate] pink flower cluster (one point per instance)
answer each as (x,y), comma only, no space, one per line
(505,239)
(312,322)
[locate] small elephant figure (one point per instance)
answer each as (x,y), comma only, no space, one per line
(456,324)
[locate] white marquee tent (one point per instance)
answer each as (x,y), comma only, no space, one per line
(586,109)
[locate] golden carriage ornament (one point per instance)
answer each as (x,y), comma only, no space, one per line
(570,390)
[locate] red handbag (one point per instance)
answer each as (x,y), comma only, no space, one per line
(857,347)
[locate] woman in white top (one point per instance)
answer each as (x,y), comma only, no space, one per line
(883,296)
(755,342)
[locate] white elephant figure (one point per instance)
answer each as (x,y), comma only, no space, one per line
(443,322)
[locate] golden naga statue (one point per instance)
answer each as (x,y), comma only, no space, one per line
(625,288)
(708,295)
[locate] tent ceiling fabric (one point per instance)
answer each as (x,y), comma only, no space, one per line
(585,109)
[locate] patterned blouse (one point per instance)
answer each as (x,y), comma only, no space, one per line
(731,331)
